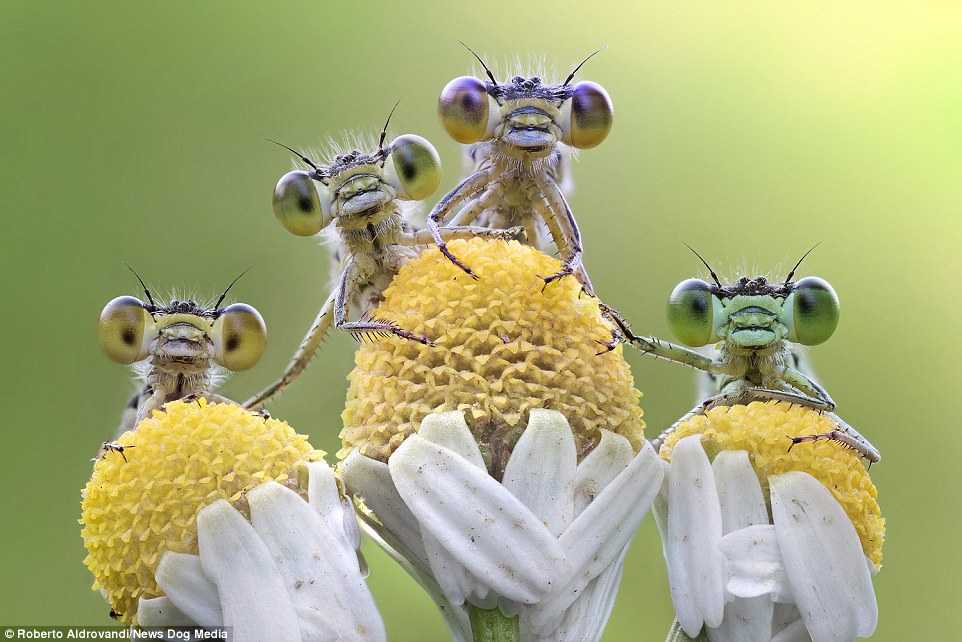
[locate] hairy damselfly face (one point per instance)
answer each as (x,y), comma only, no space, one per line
(357,189)
(181,332)
(526,116)
(753,316)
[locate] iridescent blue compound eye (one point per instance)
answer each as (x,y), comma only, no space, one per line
(691,312)
(297,205)
(587,116)
(463,108)
(815,311)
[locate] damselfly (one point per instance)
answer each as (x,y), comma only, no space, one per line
(359,195)
(520,132)
(753,324)
(179,346)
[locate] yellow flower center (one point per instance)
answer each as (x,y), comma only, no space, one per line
(178,461)
(761,429)
(502,347)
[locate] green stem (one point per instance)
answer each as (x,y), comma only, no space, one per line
(677,634)
(491,625)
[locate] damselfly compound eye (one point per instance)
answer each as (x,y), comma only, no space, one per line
(586,117)
(463,108)
(239,337)
(814,308)
(413,167)
(121,330)
(297,205)
(691,312)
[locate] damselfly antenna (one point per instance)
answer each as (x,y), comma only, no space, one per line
(486,70)
(143,285)
(572,74)
(221,299)
(792,273)
(297,153)
(380,142)
(710,271)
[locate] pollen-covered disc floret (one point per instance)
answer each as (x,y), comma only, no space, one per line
(503,345)
(762,429)
(179,460)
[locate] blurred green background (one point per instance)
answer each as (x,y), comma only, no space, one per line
(751,131)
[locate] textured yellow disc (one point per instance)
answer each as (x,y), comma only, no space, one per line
(502,347)
(178,461)
(761,428)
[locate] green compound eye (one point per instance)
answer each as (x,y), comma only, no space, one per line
(463,108)
(239,336)
(814,310)
(413,167)
(121,329)
(691,312)
(297,205)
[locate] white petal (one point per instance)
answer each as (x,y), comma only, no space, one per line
(597,537)
(696,568)
(449,429)
(318,566)
(456,582)
(599,467)
(371,480)
(485,528)
(315,627)
(745,619)
(823,559)
(586,618)
(794,632)
(739,493)
(541,469)
(755,563)
(160,611)
(182,579)
(252,593)
(323,495)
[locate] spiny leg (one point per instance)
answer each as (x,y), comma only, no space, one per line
(465,190)
(564,231)
(422,237)
(803,382)
(345,293)
(845,435)
(305,352)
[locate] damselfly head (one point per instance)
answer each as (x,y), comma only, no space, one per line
(130,330)
(526,114)
(753,315)
(358,188)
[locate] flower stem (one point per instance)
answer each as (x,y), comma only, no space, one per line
(677,634)
(491,625)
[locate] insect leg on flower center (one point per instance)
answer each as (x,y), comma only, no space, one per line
(358,196)
(180,345)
